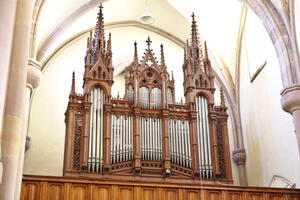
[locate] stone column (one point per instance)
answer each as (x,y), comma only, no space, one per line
(7,18)
(33,79)
(13,117)
(239,157)
(291,103)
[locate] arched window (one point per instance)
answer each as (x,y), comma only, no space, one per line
(170,96)
(144,97)
(156,98)
(130,93)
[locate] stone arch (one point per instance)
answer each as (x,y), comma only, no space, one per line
(280,35)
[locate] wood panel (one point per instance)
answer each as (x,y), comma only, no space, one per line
(58,188)
(125,193)
(192,195)
(213,195)
(171,194)
(55,191)
(255,196)
(101,192)
(149,194)
(30,191)
(79,192)
(234,195)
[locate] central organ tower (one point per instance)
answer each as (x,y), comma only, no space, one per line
(146,135)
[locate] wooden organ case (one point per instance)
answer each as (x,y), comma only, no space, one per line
(146,136)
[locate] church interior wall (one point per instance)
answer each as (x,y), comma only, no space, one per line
(270,142)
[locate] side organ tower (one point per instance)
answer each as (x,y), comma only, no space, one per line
(146,135)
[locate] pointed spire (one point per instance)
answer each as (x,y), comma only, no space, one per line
(109,43)
(222,97)
(162,56)
(195,39)
(172,76)
(205,51)
(100,23)
(148,42)
(73,83)
(136,59)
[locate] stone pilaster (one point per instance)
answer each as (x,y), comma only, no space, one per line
(14,112)
(291,103)
(34,75)
(239,157)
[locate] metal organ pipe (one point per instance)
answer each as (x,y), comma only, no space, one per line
(96,136)
(204,147)
(180,151)
(151,140)
(121,139)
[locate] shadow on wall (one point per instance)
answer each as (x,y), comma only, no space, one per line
(253,162)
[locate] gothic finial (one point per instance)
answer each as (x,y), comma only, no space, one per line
(181,101)
(118,95)
(99,33)
(162,56)
(135,60)
(148,42)
(109,43)
(222,97)
(205,51)
(172,76)
(195,39)
(73,83)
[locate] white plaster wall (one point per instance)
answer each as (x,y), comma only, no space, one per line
(46,126)
(269,135)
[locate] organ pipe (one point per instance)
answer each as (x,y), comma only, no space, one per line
(151,139)
(121,139)
(95,158)
(180,150)
(203,135)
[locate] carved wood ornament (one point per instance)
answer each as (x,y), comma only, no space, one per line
(146,135)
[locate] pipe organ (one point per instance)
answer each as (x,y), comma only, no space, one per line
(146,135)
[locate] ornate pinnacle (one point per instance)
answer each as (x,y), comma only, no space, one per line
(195,40)
(73,83)
(162,56)
(205,51)
(136,60)
(222,97)
(172,76)
(99,33)
(148,42)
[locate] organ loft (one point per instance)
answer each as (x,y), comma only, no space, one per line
(146,135)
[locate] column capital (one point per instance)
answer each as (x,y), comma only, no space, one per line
(34,74)
(239,156)
(290,101)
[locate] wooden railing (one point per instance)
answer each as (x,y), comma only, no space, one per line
(61,188)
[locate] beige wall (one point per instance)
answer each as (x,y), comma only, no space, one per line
(269,136)
(7,18)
